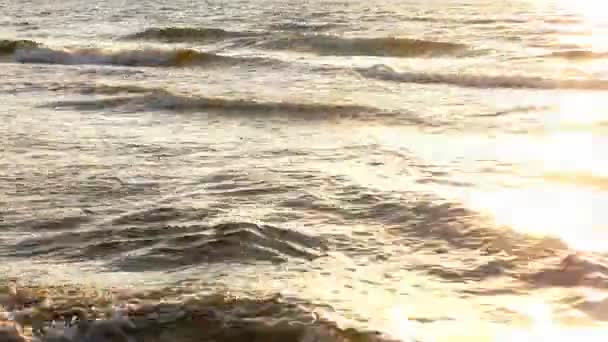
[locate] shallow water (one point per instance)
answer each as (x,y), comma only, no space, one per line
(418,168)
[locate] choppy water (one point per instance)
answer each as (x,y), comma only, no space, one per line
(418,168)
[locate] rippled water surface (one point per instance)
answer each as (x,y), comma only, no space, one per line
(431,170)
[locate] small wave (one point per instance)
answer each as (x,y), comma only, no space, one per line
(390,47)
(385,73)
(97,89)
(515,110)
(186,34)
(579,54)
(489,269)
(153,245)
(63,223)
(483,21)
(564,20)
(320,44)
(103,89)
(573,271)
(140,57)
(8,47)
(428,224)
(299,26)
(474,21)
(161,99)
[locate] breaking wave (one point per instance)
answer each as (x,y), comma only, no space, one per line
(386,46)
(161,99)
(136,57)
(385,73)
(79,313)
(187,34)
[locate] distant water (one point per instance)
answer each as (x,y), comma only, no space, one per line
(312,170)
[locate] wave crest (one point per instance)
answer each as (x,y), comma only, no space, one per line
(385,46)
(135,57)
(385,73)
(312,43)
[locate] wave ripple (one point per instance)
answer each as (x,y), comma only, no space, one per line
(168,247)
(321,44)
(580,54)
(385,73)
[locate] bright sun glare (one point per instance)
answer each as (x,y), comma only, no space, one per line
(544,328)
(592,28)
(592,10)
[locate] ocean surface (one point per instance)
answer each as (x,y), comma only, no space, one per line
(412,170)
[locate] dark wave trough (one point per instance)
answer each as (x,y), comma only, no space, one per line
(8,47)
(187,34)
(164,100)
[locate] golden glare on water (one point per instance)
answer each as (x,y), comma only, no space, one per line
(544,328)
(554,185)
(577,111)
(591,32)
(593,40)
(562,200)
(591,10)
(564,177)
(565,213)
